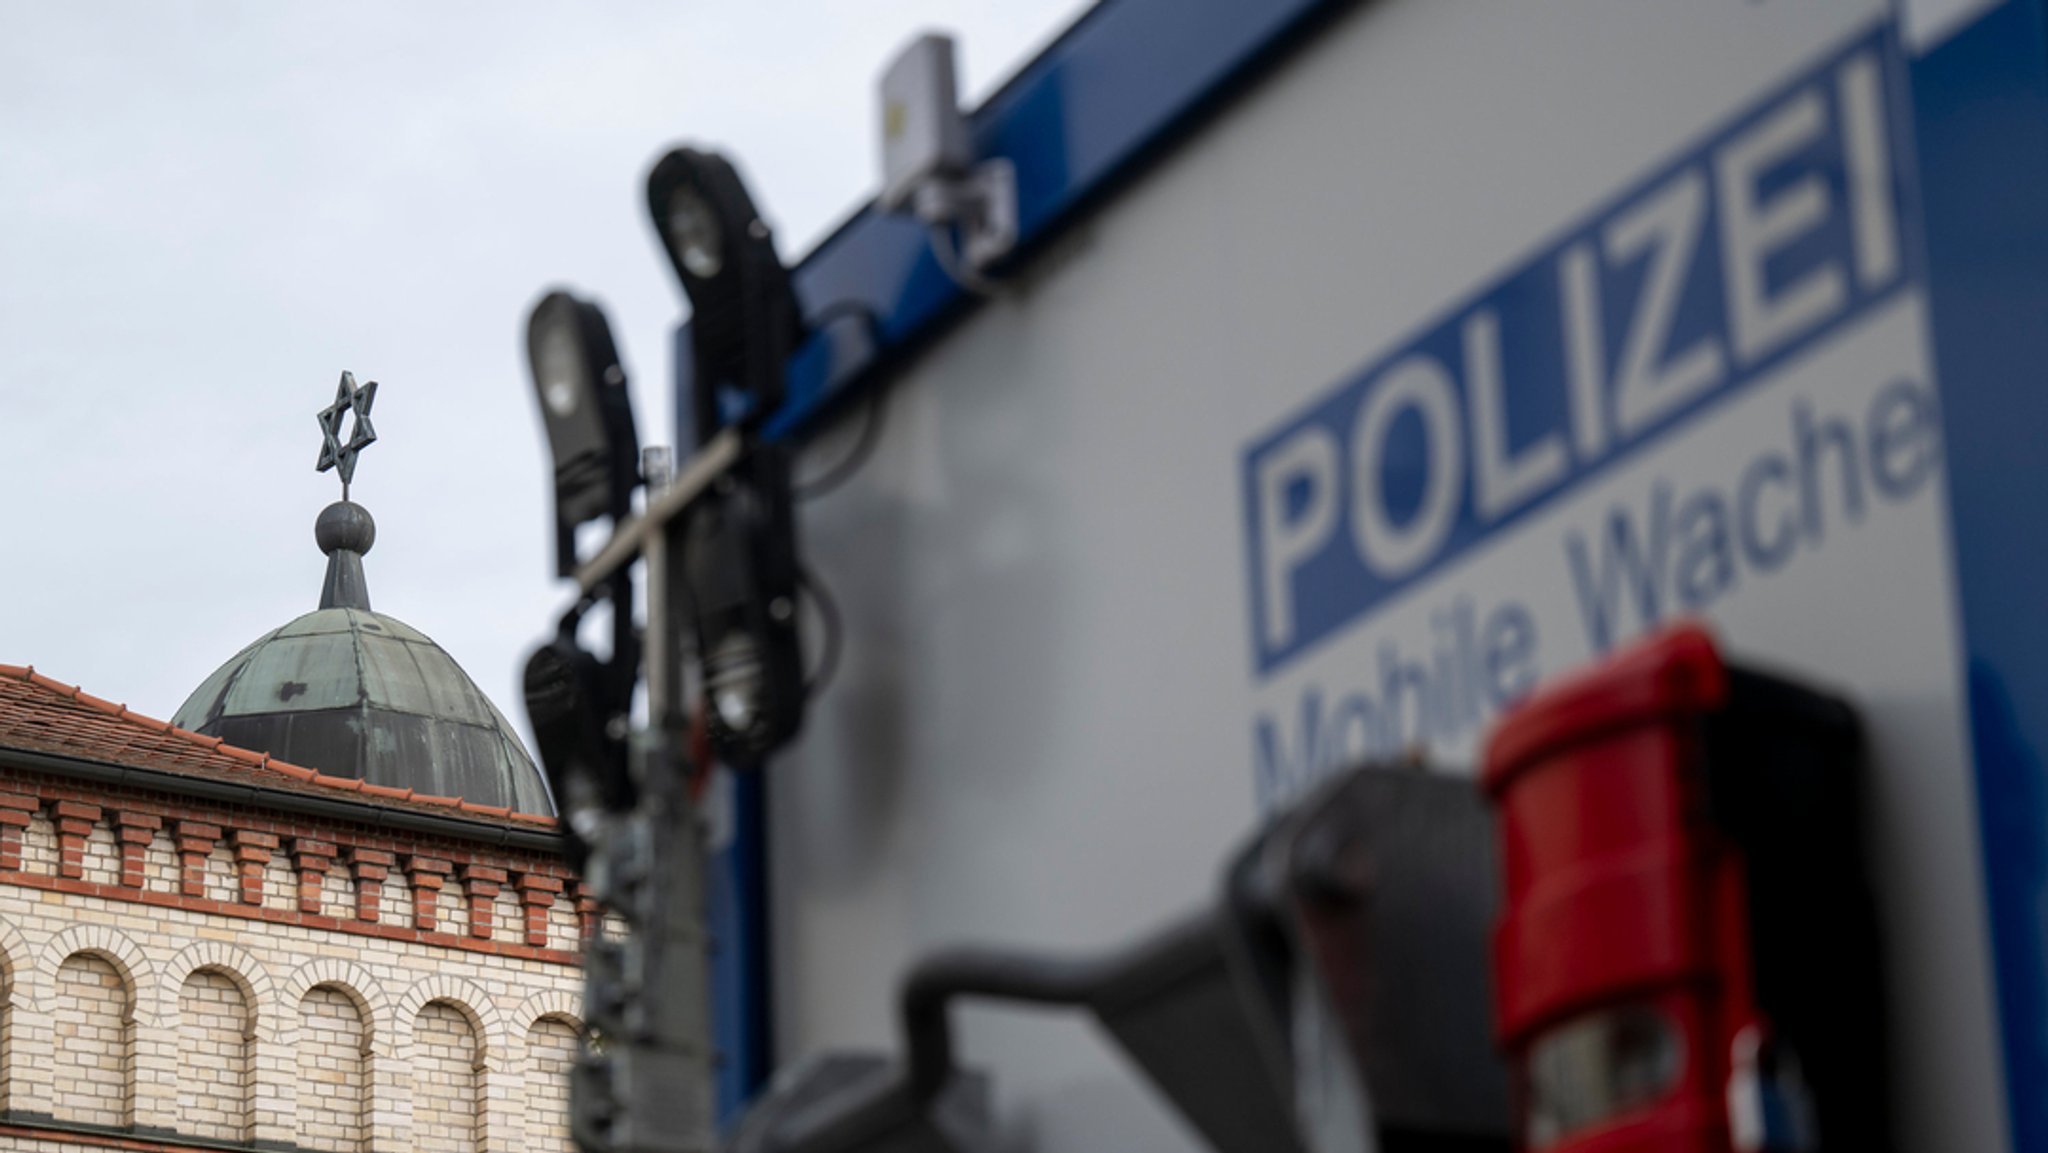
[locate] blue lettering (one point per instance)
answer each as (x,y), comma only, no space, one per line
(1625,566)
(1510,654)
(1776,230)
(1765,555)
(1905,440)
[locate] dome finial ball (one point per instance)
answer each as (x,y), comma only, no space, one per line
(345,525)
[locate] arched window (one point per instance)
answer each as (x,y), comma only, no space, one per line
(550,1052)
(447,1081)
(94,1012)
(216,1066)
(332,1109)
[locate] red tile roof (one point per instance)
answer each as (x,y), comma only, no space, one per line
(38,714)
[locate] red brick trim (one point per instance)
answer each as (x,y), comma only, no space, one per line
(75,820)
(482,883)
(285,917)
(198,828)
(68,1135)
(196,840)
(312,858)
(427,875)
(370,867)
(16,811)
(135,832)
(252,861)
(538,893)
(588,913)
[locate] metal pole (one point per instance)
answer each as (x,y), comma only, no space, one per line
(647,1087)
(705,465)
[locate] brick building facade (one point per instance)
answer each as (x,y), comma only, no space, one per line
(204,947)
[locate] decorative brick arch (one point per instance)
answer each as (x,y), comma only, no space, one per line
(543,1106)
(15,966)
(467,997)
(357,983)
(246,971)
(550,1003)
(110,944)
(14,955)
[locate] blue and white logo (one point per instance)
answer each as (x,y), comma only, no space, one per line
(1779,229)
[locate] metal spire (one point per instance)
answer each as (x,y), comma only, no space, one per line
(345,531)
(333,452)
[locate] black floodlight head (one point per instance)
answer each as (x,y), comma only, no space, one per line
(1364,914)
(744,318)
(739,579)
(588,415)
(567,703)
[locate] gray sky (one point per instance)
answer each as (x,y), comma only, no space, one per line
(208,211)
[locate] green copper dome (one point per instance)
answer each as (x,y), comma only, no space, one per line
(355,693)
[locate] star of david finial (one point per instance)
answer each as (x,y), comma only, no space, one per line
(334,452)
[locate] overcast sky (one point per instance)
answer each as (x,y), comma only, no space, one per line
(208,211)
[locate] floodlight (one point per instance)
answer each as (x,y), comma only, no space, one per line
(738,571)
(739,582)
(1359,924)
(743,314)
(568,698)
(588,415)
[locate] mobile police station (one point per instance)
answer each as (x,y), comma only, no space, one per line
(1326,380)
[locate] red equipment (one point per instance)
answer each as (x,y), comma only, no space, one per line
(1687,956)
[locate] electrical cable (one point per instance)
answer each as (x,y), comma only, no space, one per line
(870,432)
(947,253)
(860,309)
(834,640)
(863,447)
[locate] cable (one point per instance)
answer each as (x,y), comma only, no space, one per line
(863,447)
(947,253)
(838,308)
(870,432)
(835,631)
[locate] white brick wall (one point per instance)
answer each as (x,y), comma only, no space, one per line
(445,1116)
(102,856)
(160,865)
(6,1035)
(332,1107)
(106,1021)
(220,874)
(91,1024)
(216,1057)
(506,915)
(395,900)
(39,845)
(452,910)
(551,1050)
(280,884)
(564,930)
(337,894)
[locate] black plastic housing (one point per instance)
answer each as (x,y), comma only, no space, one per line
(744,319)
(595,446)
(1784,769)
(738,573)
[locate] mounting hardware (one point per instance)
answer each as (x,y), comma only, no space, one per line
(928,168)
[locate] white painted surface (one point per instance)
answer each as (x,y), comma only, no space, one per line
(1041,731)
(1927,23)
